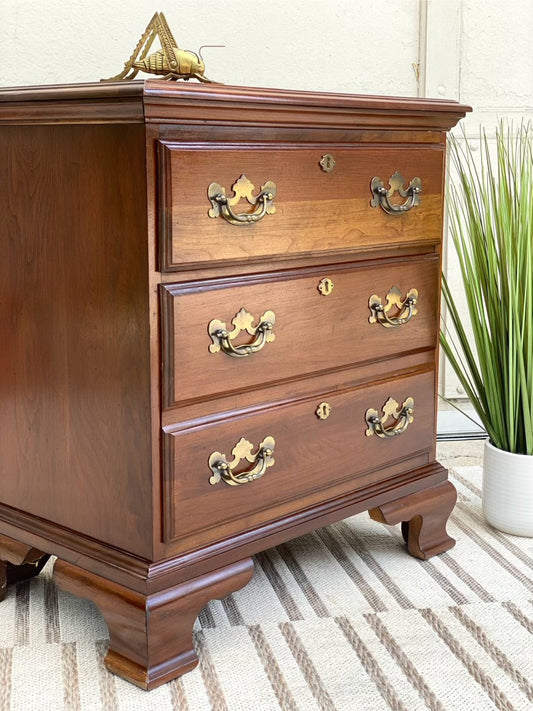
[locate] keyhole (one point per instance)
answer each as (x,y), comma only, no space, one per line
(327,162)
(325,286)
(323,411)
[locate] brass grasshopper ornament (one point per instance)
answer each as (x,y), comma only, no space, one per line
(170,61)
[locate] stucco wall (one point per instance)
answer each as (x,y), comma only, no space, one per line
(478,51)
(491,45)
(336,45)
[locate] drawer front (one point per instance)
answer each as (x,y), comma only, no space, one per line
(311,454)
(321,320)
(312,210)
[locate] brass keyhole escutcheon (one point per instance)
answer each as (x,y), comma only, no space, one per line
(325,286)
(327,162)
(323,411)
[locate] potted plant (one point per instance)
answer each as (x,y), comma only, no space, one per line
(491,347)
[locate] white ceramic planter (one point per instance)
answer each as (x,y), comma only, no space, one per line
(508,491)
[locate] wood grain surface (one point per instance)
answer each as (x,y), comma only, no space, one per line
(74,353)
(313,332)
(311,455)
(315,211)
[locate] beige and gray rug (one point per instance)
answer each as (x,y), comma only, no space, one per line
(340,619)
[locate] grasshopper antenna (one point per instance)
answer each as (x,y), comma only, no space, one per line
(208,45)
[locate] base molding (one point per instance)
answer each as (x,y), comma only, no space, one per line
(171,567)
(150,606)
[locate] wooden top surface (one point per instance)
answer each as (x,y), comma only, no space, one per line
(159,100)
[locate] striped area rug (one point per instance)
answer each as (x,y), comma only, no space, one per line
(341,619)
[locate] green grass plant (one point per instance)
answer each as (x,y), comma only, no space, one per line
(490,199)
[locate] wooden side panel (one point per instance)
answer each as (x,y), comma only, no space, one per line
(74,352)
(316,211)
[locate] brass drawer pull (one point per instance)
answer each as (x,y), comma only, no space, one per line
(406,308)
(396,182)
(242,189)
(402,418)
(242,321)
(261,460)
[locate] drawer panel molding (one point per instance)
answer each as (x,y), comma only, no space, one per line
(316,212)
(283,327)
(313,453)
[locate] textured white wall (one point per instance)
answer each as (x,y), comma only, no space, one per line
(496,59)
(490,43)
(327,45)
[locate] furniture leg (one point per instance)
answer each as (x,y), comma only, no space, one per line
(151,635)
(423,516)
(18,562)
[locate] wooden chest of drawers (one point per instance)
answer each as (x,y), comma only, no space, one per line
(219,317)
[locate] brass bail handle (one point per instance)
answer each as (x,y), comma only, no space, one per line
(222,205)
(405,308)
(382,195)
(402,416)
(223,338)
(224,470)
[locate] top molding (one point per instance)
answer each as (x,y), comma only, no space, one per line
(158,101)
